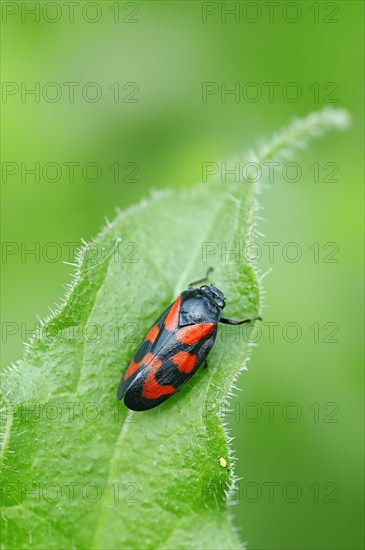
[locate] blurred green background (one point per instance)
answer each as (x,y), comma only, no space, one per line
(298,423)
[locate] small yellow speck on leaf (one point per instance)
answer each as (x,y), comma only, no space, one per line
(223,462)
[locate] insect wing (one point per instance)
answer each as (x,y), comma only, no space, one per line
(180,358)
(155,340)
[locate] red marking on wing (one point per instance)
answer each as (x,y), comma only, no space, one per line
(184,361)
(133,366)
(151,388)
(152,334)
(172,318)
(193,333)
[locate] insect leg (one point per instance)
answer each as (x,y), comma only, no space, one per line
(202,280)
(233,322)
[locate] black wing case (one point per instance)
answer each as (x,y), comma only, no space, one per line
(184,352)
(152,344)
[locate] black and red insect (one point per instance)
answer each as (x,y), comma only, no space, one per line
(174,347)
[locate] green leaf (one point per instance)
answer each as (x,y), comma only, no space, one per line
(79,470)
